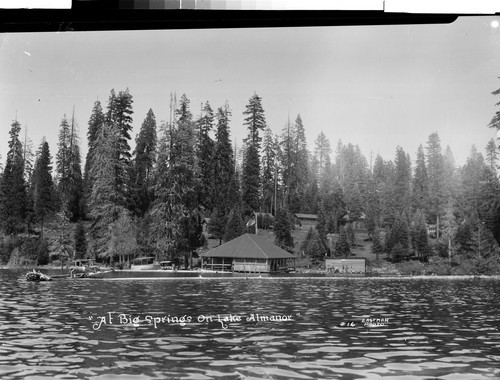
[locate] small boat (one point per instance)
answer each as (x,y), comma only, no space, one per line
(144,263)
(86,268)
(34,276)
(83,266)
(99,274)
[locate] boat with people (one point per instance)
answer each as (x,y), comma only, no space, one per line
(36,276)
(145,263)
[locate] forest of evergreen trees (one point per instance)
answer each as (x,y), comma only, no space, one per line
(152,199)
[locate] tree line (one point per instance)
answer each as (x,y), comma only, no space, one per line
(155,198)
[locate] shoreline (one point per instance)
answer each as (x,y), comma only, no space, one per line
(297,275)
(243,276)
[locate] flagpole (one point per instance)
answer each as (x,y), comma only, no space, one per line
(256,223)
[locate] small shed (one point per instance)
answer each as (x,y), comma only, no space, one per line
(354,265)
(307,220)
(248,253)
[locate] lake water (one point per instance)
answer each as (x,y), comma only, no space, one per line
(73,328)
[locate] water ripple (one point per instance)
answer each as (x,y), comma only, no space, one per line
(435,329)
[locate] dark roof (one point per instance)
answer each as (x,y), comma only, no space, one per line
(249,246)
(307,216)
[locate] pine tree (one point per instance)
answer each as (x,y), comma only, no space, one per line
(255,120)
(449,227)
(144,160)
(313,246)
(398,252)
(223,159)
(68,168)
(104,201)
(495,121)
(182,158)
(420,188)
(123,241)
(471,176)
(301,155)
(379,170)
(321,151)
(205,158)
(400,234)
(435,170)
(217,223)
(235,226)
(377,248)
(28,157)
(352,173)
(342,248)
(287,161)
(402,180)
(63,247)
(489,202)
(322,223)
(372,208)
(419,235)
(233,194)
(96,121)
(492,155)
(43,186)
(80,241)
(282,230)
(251,182)
(119,116)
(269,169)
(482,242)
(450,181)
(176,228)
(13,190)
(63,160)
(386,189)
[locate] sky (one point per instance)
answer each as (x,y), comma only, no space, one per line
(374,86)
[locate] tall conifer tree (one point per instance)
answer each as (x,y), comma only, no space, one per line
(205,158)
(251,181)
(13,188)
(119,116)
(435,170)
(104,201)
(420,185)
(492,155)
(68,167)
(223,159)
(268,171)
(43,186)
(144,159)
(96,121)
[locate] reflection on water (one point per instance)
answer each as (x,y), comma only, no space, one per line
(436,328)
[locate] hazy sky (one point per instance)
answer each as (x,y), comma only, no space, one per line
(375,86)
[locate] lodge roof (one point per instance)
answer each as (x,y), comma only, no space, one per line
(249,246)
(307,216)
